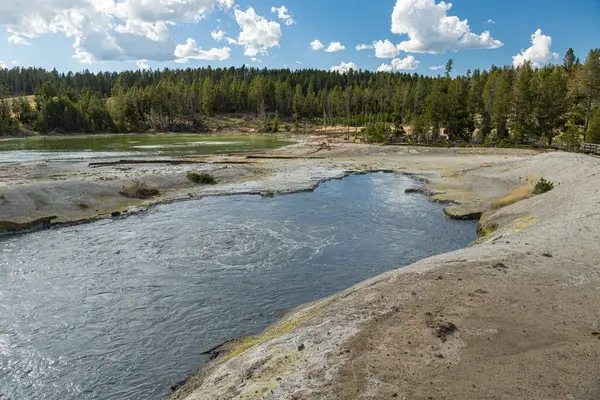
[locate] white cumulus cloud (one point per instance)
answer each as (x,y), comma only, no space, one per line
(15,62)
(226,4)
(385,49)
(408,63)
(217,35)
(431,30)
(316,45)
(2,65)
(385,68)
(190,50)
(344,67)
(257,34)
(335,46)
(539,53)
(283,14)
(436,67)
(106,30)
(400,64)
(299,62)
(14,39)
(142,64)
(363,47)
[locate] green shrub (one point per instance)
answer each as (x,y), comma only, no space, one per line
(271,124)
(378,132)
(543,186)
(488,142)
(201,177)
(139,190)
(593,132)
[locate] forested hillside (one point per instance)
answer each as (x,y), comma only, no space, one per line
(501,106)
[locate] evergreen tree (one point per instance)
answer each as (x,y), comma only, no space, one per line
(551,104)
(298,101)
(590,83)
(208,97)
(522,119)
(449,66)
(570,61)
(593,130)
(524,104)
(6,121)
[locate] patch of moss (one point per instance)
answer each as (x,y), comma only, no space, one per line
(277,330)
(522,223)
(485,232)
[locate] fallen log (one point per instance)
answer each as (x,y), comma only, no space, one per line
(170,162)
(280,157)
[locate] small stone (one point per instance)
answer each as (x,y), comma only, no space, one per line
(548,255)
(115,214)
(439,278)
(301,347)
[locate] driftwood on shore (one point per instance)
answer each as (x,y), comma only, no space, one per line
(171,162)
(253,157)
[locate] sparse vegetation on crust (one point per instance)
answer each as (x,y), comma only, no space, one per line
(542,187)
(201,177)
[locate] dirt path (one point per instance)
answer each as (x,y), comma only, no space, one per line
(514,316)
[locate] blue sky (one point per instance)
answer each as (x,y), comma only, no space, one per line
(110,35)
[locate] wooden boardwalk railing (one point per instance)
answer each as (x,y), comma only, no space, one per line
(591,148)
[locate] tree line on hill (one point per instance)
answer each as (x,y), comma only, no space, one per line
(504,105)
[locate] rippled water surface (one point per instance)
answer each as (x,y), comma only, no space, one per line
(75,147)
(122,309)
